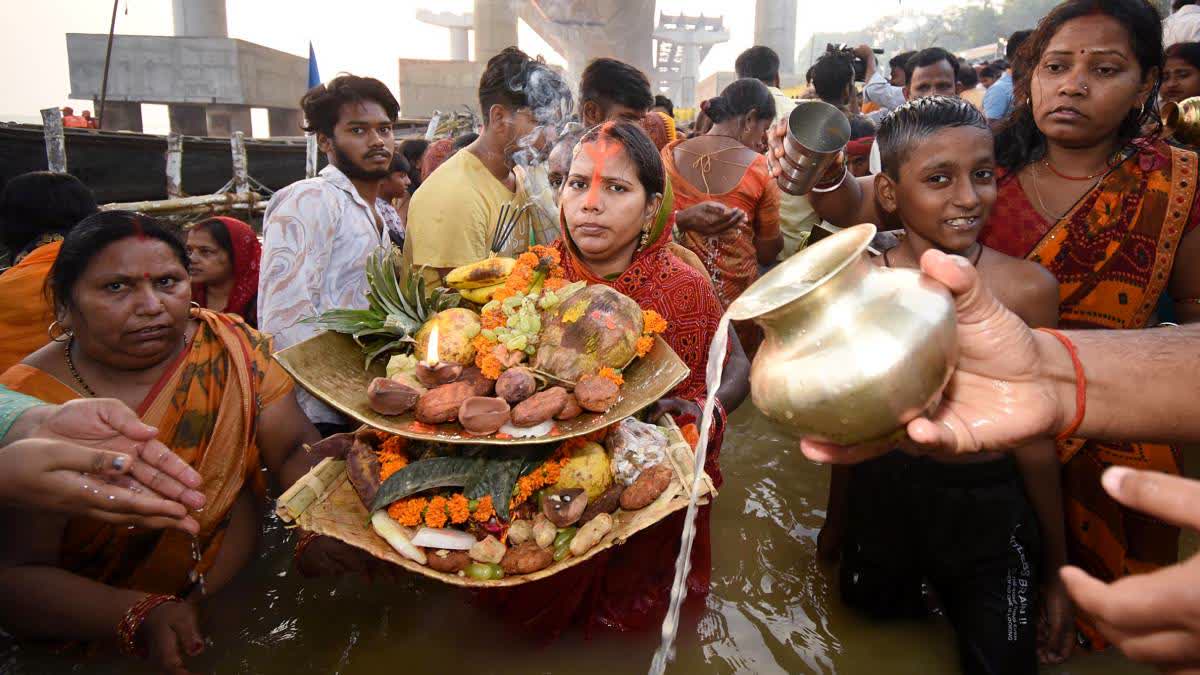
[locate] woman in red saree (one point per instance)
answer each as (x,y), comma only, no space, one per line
(615,216)
(1113,217)
(224,254)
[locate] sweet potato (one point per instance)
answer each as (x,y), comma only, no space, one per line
(539,407)
(362,468)
(596,393)
(482,386)
(526,558)
(450,562)
(442,404)
(607,502)
(648,486)
(389,397)
(571,410)
(515,385)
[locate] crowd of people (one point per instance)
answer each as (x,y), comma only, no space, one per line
(1038,506)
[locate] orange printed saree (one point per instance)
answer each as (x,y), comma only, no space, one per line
(206,407)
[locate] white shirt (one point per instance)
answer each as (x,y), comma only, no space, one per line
(1182,26)
(879,90)
(317,234)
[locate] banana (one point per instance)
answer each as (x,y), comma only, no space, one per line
(486,272)
(481,296)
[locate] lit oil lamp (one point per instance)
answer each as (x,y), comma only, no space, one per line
(432,372)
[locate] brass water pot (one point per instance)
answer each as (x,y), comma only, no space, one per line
(1182,120)
(853,351)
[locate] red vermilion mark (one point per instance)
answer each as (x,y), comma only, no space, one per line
(600,150)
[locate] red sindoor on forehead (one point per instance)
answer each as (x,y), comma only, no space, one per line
(600,151)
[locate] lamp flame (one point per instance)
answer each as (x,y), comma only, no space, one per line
(431,354)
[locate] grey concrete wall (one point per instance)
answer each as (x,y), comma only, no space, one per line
(426,86)
(200,18)
(713,85)
(775,27)
(121,116)
(223,120)
(271,78)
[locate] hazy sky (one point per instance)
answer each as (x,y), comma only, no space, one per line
(364,37)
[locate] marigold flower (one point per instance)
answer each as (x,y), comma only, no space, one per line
(554,283)
(652,322)
(610,374)
(484,510)
(407,512)
(459,508)
(435,513)
(644,345)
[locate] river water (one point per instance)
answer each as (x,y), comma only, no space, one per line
(772,607)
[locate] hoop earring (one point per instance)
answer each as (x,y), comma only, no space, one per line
(64,336)
(196,305)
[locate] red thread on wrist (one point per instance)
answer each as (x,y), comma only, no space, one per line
(132,622)
(1080,384)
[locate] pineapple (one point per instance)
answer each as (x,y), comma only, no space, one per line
(397,308)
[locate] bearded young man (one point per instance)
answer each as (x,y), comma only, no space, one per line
(318,232)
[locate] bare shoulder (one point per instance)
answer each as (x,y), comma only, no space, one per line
(47,358)
(1025,287)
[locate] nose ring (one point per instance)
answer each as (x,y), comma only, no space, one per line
(1083,86)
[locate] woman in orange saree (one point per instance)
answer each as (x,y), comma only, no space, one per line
(208,383)
(1114,220)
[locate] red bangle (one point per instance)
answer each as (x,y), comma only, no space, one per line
(134,617)
(1080,384)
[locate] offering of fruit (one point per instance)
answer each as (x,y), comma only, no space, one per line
(587,468)
(457,327)
(593,328)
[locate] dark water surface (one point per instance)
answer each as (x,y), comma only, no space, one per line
(772,609)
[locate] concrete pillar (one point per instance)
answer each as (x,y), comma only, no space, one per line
(284,122)
(223,120)
(188,120)
(775,27)
(495,28)
(121,116)
(200,18)
(459,44)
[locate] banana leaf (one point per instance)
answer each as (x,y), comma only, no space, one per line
(425,475)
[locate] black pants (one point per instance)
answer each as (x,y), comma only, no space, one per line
(966,529)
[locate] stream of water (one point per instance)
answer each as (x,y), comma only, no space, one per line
(772,607)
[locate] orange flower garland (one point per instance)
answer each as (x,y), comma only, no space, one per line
(519,281)
(611,374)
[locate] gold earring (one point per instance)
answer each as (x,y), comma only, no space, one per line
(65,335)
(645,236)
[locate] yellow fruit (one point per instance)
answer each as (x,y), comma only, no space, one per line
(486,272)
(481,296)
(587,468)
(456,328)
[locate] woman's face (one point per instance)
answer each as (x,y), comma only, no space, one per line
(1181,80)
(130,306)
(605,206)
(1087,82)
(754,134)
(208,262)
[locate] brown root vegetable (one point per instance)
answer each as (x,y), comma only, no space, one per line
(564,507)
(515,385)
(596,393)
(389,397)
(648,486)
(544,531)
(539,407)
(607,502)
(520,531)
(483,415)
(489,550)
(442,404)
(590,534)
(526,558)
(362,468)
(481,385)
(449,562)
(571,410)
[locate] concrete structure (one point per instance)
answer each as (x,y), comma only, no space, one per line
(208,81)
(711,86)
(581,30)
(495,27)
(426,86)
(775,27)
(683,42)
(460,26)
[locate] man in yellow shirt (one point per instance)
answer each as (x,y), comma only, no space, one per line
(453,215)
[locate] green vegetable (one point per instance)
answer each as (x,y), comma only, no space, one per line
(424,475)
(484,571)
(564,536)
(562,552)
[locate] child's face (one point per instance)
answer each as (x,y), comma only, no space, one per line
(946,187)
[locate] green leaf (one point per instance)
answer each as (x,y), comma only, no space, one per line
(425,475)
(497,480)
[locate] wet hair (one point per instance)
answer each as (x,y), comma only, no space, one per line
(413,149)
(93,234)
(515,80)
(831,76)
(39,203)
(466,139)
(861,127)
(1019,141)
(758,62)
(607,81)
(1015,41)
(967,76)
(1188,51)
(929,57)
(900,60)
(742,96)
(661,101)
(323,103)
(902,131)
(650,171)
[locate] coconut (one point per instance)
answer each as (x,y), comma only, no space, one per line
(457,327)
(594,328)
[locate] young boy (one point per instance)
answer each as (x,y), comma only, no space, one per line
(983,532)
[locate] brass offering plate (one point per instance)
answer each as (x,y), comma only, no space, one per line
(330,367)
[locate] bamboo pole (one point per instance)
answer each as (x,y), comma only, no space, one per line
(174,165)
(227,200)
(310,155)
(112,26)
(237,145)
(56,146)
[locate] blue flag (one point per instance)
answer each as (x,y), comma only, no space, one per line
(314,77)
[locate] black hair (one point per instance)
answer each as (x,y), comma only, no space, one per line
(917,120)
(515,80)
(742,96)
(41,202)
(990,71)
(901,60)
(645,156)
(1182,3)
(1019,141)
(808,75)
(92,235)
(967,76)
(832,74)
(928,57)
(413,149)
(399,164)
(216,228)
(861,127)
(1015,41)
(1188,51)
(463,141)
(758,62)
(323,103)
(661,101)
(606,81)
